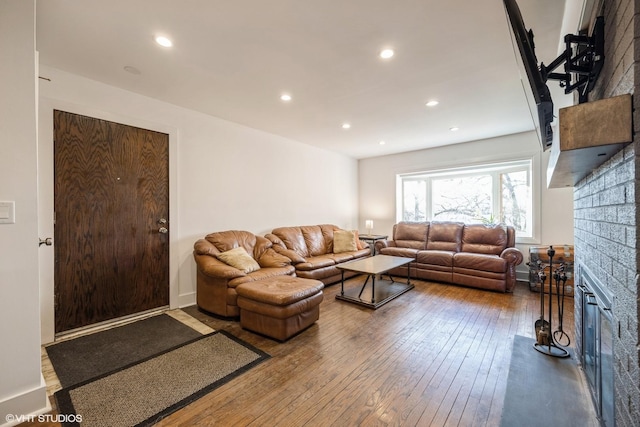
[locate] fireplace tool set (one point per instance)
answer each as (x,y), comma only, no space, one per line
(548,342)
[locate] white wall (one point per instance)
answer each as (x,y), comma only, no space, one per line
(377,177)
(222,175)
(22,388)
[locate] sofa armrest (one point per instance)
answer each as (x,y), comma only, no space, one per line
(211,266)
(292,255)
(512,255)
(380,244)
(275,240)
(271,258)
(281,248)
(205,253)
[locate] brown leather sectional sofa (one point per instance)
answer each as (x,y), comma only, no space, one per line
(477,255)
(306,252)
(217,281)
(311,250)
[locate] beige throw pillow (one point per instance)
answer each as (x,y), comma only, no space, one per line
(358,241)
(344,241)
(240,259)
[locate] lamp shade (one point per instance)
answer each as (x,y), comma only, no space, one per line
(368,223)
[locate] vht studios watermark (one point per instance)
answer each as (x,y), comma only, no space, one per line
(44,418)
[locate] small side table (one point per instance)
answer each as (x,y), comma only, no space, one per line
(371,239)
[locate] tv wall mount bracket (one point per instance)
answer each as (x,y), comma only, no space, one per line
(583,58)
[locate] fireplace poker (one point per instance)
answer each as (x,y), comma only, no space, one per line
(541,325)
(559,334)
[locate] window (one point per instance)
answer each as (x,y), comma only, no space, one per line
(500,192)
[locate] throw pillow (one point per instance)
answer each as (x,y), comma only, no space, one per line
(344,241)
(358,241)
(240,259)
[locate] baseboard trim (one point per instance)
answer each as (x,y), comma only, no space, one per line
(25,406)
(185,300)
(522,276)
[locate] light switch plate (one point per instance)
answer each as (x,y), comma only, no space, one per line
(7,212)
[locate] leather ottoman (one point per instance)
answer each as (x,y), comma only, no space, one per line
(279,307)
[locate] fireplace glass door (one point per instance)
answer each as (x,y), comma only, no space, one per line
(597,346)
(590,342)
(606,368)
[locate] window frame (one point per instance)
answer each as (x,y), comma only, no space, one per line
(494,168)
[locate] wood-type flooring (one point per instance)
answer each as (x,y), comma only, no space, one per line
(438,355)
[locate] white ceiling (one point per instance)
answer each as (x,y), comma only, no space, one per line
(233,58)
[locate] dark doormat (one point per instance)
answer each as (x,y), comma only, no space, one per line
(90,356)
(143,393)
(544,391)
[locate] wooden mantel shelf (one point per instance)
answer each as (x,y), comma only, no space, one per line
(590,134)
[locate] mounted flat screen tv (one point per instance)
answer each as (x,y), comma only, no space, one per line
(539,97)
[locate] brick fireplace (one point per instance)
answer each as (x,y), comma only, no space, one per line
(605,221)
(606,218)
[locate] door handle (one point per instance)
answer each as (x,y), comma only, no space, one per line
(163,229)
(46,241)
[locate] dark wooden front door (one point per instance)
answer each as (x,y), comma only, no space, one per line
(111,201)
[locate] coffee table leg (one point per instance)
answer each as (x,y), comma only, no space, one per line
(373,289)
(342,284)
(363,286)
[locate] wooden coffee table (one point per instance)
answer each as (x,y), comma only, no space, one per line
(375,296)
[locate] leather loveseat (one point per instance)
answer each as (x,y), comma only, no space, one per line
(475,255)
(217,281)
(313,253)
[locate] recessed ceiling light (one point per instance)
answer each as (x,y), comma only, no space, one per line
(454,129)
(285,97)
(386,53)
(382,143)
(346,126)
(432,103)
(163,41)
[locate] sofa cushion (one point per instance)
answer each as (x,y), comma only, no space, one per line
(261,274)
(484,239)
(293,239)
(308,240)
(394,251)
(445,236)
(317,239)
(411,234)
(341,257)
(315,262)
(240,259)
(227,240)
(344,241)
(442,258)
(280,291)
(480,262)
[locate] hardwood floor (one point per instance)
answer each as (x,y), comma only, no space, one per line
(436,356)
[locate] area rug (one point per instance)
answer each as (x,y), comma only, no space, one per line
(143,393)
(544,390)
(90,356)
